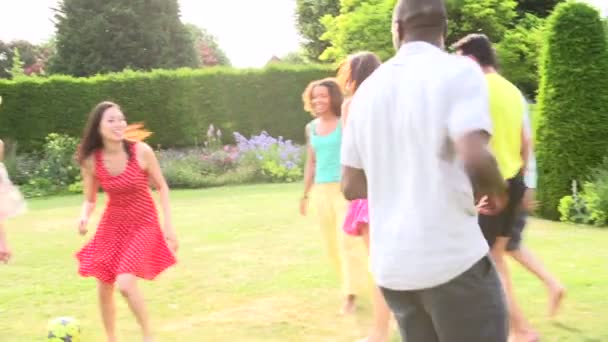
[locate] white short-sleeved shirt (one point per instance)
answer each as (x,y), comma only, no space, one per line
(402,124)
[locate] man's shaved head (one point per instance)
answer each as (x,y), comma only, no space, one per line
(419,20)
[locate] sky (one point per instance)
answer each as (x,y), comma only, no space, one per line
(250,31)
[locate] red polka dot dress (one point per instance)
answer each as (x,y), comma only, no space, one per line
(129,238)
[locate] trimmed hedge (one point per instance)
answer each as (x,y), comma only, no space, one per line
(573,102)
(177,105)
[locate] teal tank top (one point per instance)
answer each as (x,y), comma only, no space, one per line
(327,152)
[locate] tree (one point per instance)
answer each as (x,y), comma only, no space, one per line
(295,57)
(540,8)
(308,23)
(28,52)
(367,20)
(106,36)
(491,17)
(606,28)
(573,102)
(518,53)
(34,57)
(208,49)
(31,57)
(370,22)
(44,52)
(17,68)
(6,60)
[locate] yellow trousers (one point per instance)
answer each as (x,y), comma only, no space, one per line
(346,252)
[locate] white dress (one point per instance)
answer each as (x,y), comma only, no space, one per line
(11,200)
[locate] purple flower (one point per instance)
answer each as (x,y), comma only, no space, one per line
(265,147)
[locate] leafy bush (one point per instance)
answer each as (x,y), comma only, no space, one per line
(261,159)
(76,188)
(10,158)
(177,105)
(518,53)
(52,172)
(277,160)
(573,102)
(20,167)
(187,171)
(590,206)
(193,172)
(39,187)
(57,163)
(25,168)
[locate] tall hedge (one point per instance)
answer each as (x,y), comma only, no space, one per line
(178,105)
(573,102)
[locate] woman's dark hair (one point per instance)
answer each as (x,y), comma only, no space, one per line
(357,68)
(479,46)
(335,94)
(91,137)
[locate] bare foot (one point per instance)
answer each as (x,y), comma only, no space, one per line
(148,339)
(349,305)
(556,295)
(526,336)
(5,252)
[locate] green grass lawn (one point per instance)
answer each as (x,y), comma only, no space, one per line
(251,269)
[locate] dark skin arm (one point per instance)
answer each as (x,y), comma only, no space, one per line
(354,183)
(482,168)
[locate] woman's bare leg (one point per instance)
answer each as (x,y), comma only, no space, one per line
(382,314)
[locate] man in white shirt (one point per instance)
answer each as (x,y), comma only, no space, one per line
(417,145)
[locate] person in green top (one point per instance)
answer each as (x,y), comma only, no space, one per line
(322,175)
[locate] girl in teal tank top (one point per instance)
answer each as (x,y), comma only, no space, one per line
(327,153)
(323,99)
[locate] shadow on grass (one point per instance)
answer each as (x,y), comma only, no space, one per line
(576,331)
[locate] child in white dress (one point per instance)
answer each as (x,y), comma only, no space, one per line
(11,204)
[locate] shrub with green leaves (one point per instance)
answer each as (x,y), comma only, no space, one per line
(261,159)
(518,53)
(200,168)
(176,105)
(58,163)
(573,102)
(277,160)
(589,206)
(56,170)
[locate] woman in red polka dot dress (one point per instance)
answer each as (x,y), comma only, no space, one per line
(129,242)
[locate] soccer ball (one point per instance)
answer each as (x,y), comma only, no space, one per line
(64,329)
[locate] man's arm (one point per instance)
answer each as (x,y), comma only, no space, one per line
(354,181)
(480,164)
